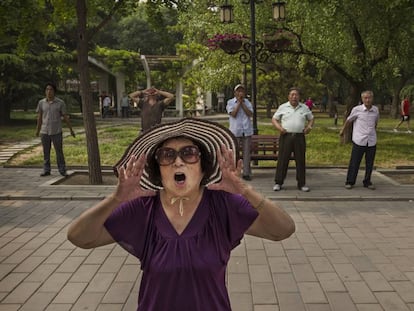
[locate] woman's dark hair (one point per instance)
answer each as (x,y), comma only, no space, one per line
(52,85)
(153,168)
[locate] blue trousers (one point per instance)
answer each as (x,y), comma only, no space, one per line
(57,141)
(355,161)
(245,143)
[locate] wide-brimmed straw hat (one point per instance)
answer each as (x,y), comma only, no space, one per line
(210,135)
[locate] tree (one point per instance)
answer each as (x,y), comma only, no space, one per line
(83,40)
(26,55)
(94,160)
(354,38)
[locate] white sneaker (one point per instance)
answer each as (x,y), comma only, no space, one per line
(395,130)
(277,187)
(408,131)
(305,189)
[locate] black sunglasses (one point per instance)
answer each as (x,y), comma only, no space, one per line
(166,156)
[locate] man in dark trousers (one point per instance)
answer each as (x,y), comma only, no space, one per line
(240,111)
(50,111)
(364,119)
(293,120)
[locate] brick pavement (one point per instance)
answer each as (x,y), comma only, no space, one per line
(353,250)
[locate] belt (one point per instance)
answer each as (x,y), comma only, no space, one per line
(294,134)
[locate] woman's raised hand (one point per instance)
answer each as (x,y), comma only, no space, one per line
(128,187)
(230,172)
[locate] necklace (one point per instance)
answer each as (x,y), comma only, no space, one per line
(173,200)
(180,207)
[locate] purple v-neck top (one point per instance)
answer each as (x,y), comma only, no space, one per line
(187,271)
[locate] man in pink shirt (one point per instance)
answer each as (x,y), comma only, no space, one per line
(364,139)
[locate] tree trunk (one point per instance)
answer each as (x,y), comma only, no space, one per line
(94,160)
(269,107)
(352,100)
(395,105)
(4,110)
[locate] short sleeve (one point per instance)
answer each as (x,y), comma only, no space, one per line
(129,222)
(241,215)
(235,214)
(230,105)
(277,115)
(63,108)
(38,109)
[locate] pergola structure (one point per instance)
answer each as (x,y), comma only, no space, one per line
(158,62)
(149,63)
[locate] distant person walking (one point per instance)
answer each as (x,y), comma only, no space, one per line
(50,111)
(152,103)
(309,103)
(294,120)
(405,115)
(240,111)
(106,104)
(324,103)
(364,118)
(125,106)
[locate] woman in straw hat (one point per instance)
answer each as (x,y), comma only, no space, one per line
(180,207)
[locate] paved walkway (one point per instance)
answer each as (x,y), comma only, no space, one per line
(353,249)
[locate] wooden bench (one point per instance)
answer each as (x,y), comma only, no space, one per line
(263,147)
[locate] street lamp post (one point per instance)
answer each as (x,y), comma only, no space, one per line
(254,63)
(226,16)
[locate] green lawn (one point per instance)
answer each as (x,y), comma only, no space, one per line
(323,144)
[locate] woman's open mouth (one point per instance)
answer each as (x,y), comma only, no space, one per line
(179,178)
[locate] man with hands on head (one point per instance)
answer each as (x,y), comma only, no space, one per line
(152,103)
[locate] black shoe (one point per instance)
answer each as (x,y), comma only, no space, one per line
(45,174)
(247,177)
(64,174)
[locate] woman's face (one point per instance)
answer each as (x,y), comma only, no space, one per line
(181,177)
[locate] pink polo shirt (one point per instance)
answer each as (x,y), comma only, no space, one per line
(365,122)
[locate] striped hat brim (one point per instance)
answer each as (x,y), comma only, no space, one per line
(207,133)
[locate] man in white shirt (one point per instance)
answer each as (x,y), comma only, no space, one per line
(364,139)
(293,120)
(240,111)
(106,103)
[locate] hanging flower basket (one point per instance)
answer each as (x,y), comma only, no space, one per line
(279,40)
(229,43)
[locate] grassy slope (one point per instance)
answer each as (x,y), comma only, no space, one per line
(323,144)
